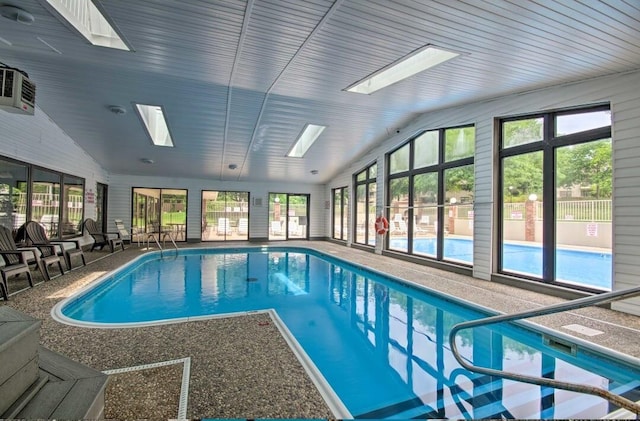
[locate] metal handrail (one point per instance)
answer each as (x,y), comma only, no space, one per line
(164,235)
(556,308)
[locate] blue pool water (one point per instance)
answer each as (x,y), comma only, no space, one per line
(381,344)
(591,269)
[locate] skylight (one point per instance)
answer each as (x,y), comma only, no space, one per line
(416,62)
(87,19)
(305,140)
(154,120)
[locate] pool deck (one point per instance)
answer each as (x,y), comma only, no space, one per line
(242,367)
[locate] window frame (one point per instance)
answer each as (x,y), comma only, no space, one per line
(344,221)
(548,146)
(54,231)
(366,181)
(439,168)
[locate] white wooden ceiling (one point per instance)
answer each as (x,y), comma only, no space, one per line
(239,79)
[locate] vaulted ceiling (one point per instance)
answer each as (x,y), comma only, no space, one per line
(239,79)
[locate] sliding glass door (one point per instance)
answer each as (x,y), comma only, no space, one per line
(288,216)
(165,209)
(225,215)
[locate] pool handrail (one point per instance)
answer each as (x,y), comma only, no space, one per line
(541,381)
(156,238)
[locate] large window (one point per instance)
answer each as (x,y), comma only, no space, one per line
(430,195)
(340,213)
(30,193)
(225,215)
(13,194)
(45,200)
(365,206)
(160,209)
(556,186)
(72,206)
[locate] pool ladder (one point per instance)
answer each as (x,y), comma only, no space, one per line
(541,381)
(164,235)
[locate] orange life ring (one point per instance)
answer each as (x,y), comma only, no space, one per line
(382,225)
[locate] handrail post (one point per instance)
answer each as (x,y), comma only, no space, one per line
(555,308)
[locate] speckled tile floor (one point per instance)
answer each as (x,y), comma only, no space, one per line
(241,367)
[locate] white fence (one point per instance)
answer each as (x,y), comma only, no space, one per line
(573,210)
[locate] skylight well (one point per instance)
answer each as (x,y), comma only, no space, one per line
(154,121)
(309,135)
(409,65)
(87,19)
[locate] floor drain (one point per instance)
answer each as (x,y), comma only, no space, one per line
(252,279)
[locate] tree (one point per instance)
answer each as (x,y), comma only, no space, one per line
(523,173)
(459,179)
(586,164)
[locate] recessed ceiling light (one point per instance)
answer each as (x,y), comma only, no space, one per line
(308,135)
(415,62)
(117,109)
(87,19)
(16,14)
(155,122)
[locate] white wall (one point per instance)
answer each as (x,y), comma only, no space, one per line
(621,91)
(120,195)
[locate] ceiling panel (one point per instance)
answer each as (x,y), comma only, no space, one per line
(240,79)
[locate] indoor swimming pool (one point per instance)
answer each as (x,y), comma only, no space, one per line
(380,343)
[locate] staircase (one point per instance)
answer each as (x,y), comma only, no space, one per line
(38,383)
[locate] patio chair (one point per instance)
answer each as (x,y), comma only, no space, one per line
(37,236)
(15,261)
(124,234)
(100,238)
(276,228)
(224,226)
(243,226)
(45,255)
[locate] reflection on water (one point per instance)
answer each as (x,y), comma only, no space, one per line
(382,345)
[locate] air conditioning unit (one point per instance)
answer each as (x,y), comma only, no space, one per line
(17,92)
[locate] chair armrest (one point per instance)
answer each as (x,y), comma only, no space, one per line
(62,242)
(22,254)
(50,247)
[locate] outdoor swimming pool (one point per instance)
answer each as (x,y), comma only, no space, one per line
(379,343)
(588,268)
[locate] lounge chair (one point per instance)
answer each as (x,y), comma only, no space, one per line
(15,261)
(46,255)
(100,238)
(243,226)
(276,228)
(124,234)
(224,226)
(37,236)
